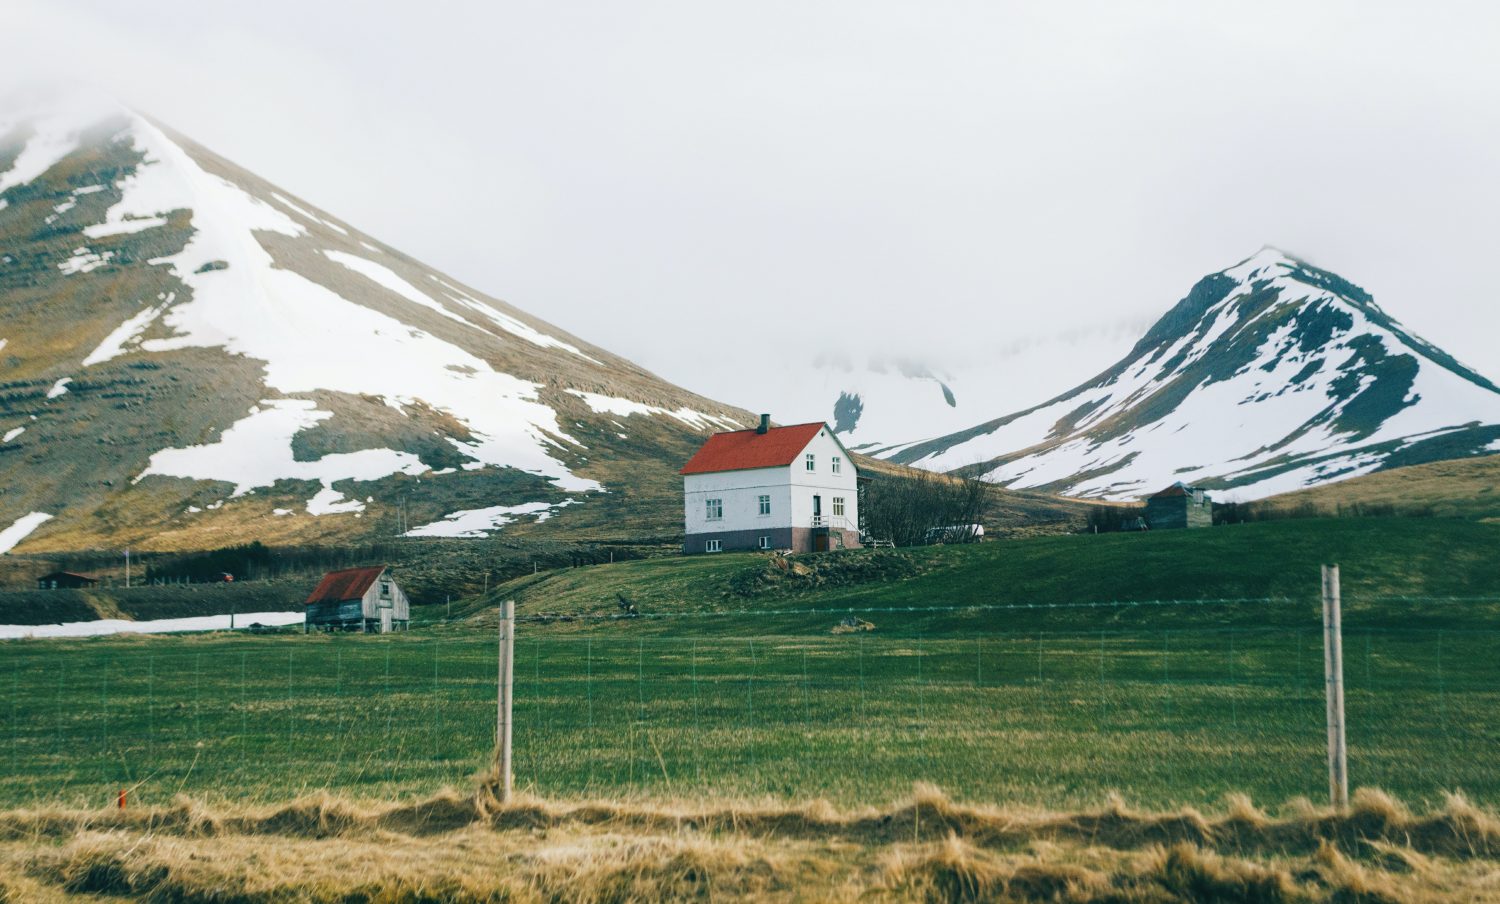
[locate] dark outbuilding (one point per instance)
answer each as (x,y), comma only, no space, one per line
(1179,506)
(65,580)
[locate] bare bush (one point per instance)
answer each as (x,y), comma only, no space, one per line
(905,509)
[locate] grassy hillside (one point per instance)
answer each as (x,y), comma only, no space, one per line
(1465,488)
(1386,557)
(740,686)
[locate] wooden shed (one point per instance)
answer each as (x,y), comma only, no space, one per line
(65,580)
(1179,506)
(367,600)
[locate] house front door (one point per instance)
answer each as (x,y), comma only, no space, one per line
(820,529)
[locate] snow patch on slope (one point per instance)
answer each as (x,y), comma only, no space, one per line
(59,388)
(603,404)
(384,276)
(508,323)
(257,451)
(480,522)
(54,138)
(254,308)
(20,529)
(307,214)
(114,344)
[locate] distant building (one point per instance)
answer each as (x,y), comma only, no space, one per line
(65,580)
(770,487)
(1179,506)
(366,600)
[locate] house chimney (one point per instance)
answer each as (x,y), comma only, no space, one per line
(765,424)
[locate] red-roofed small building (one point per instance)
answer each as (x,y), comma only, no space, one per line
(789,488)
(366,600)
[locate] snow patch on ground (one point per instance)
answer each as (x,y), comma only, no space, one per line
(84,260)
(12,434)
(54,139)
(603,404)
(20,529)
(508,323)
(124,225)
(479,522)
(114,344)
(307,214)
(257,451)
(384,276)
(1493,447)
(106,626)
(59,388)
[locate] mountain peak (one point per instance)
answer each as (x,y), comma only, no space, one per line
(1268,376)
(189,347)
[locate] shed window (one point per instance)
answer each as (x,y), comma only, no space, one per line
(765,505)
(712,545)
(714,509)
(385,588)
(812,462)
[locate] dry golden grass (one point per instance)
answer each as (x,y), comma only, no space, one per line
(471,848)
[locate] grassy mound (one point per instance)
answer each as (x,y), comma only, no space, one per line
(469,848)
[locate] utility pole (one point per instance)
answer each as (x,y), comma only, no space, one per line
(1333,673)
(127,567)
(504,682)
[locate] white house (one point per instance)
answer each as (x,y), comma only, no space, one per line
(771,488)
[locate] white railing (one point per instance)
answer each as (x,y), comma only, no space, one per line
(837,521)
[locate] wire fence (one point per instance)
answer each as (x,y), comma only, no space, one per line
(1171,710)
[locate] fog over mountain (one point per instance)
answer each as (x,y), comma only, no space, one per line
(726,192)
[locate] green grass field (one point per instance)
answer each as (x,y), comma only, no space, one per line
(732,687)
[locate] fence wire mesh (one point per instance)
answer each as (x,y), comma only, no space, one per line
(693,707)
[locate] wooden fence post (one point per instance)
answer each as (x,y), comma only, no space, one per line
(1333,673)
(506,686)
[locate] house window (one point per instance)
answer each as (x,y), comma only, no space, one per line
(712,545)
(764,543)
(838,506)
(837,462)
(714,509)
(765,505)
(812,462)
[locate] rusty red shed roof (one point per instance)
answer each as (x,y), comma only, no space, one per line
(349,584)
(744,449)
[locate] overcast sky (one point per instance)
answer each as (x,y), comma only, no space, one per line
(715,188)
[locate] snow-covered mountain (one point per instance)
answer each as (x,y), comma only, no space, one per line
(190,355)
(1269,376)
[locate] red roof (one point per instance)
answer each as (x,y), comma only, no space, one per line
(349,584)
(744,449)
